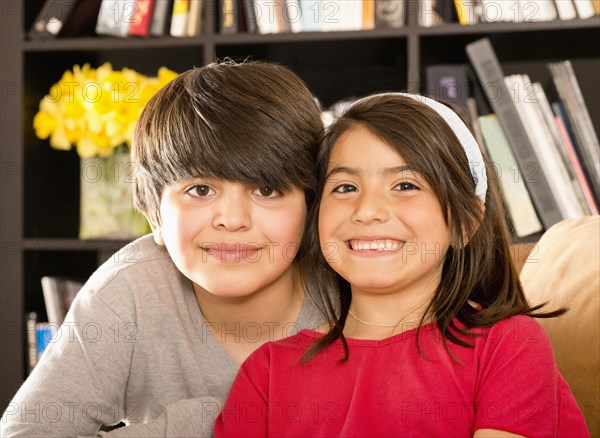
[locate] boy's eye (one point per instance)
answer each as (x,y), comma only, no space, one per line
(200,190)
(405,186)
(267,192)
(344,188)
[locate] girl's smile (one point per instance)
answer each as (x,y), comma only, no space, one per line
(375,246)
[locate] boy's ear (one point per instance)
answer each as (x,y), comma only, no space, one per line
(156,229)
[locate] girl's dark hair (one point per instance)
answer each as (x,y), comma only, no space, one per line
(477,265)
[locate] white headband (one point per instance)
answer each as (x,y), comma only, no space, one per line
(463,134)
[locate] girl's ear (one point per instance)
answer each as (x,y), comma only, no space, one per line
(156,229)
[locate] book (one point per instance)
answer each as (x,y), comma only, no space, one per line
(229,16)
(266,19)
(294,15)
(473,113)
(389,13)
(447,10)
(142,18)
(39,336)
(525,96)
(516,197)
(580,121)
(494,11)
(311,15)
(59,292)
(491,76)
(194,22)
(341,15)
(282,18)
(82,20)
(428,17)
(537,10)
(368,15)
(551,124)
(45,334)
(465,12)
(30,323)
(161,18)
(448,82)
(115,17)
(179,18)
(593,205)
(585,8)
(250,17)
(565,9)
(51,18)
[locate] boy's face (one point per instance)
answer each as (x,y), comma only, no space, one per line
(381,226)
(229,238)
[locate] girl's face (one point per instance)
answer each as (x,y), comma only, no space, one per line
(380,225)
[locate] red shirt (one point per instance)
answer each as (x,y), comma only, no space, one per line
(508,381)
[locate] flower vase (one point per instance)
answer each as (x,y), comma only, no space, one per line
(106,209)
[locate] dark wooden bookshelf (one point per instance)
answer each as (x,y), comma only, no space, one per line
(40,186)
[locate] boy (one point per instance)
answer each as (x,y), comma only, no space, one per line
(224,168)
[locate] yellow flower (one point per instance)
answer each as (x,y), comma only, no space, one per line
(96,109)
(44,124)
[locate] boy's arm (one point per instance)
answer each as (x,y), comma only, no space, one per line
(193,417)
(79,383)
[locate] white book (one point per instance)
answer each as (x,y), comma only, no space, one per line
(179,18)
(115,16)
(585,8)
(427,15)
(495,11)
(294,15)
(525,97)
(566,9)
(266,16)
(538,10)
(341,15)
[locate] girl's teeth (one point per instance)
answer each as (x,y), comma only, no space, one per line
(379,245)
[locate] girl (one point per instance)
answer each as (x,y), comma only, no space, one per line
(434,336)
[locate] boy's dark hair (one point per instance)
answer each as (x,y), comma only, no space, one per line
(251,122)
(478,265)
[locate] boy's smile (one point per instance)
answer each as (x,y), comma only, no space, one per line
(229,238)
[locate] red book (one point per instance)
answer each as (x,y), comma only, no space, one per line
(141,18)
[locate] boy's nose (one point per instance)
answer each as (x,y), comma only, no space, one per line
(232,213)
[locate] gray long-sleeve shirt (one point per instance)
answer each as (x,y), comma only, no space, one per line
(134,348)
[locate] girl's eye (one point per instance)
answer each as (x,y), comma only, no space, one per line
(267,192)
(345,188)
(405,186)
(200,190)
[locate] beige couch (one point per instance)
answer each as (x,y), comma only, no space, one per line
(563,268)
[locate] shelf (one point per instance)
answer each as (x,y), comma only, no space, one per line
(109,43)
(74,245)
(449,30)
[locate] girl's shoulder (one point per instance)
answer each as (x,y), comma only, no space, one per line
(517,335)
